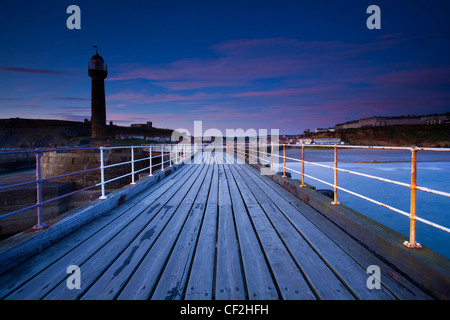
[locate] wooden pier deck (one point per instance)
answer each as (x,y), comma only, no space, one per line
(208,231)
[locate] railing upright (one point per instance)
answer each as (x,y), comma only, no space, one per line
(132,166)
(40,224)
(162,157)
(264,154)
(271,156)
(303,167)
(412,228)
(335,202)
(151,161)
(102,174)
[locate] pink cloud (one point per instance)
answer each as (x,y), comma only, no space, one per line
(145,98)
(33,71)
(426,76)
(290,91)
(239,62)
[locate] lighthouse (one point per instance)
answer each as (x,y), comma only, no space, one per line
(98,72)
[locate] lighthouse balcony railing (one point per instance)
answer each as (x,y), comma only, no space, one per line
(160,157)
(97,66)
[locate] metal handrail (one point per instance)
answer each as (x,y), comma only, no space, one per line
(262,150)
(176,153)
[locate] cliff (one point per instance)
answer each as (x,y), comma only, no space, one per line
(36,133)
(400,135)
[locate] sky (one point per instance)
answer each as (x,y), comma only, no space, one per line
(286,65)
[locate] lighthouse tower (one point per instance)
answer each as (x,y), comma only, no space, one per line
(98,72)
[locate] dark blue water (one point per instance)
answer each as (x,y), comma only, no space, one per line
(433,171)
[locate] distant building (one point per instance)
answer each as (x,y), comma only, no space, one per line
(304,141)
(317,130)
(124,136)
(158,139)
(147,125)
(395,121)
(327,141)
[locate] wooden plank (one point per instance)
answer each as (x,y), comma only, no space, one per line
(111,282)
(201,278)
(171,285)
(395,282)
(343,265)
(13,279)
(56,274)
(289,279)
(229,282)
(99,262)
(259,282)
(323,281)
(95,265)
(144,279)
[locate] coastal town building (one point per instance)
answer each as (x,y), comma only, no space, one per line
(147,125)
(394,121)
(327,141)
(318,130)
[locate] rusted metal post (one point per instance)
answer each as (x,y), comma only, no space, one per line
(40,225)
(412,228)
(284,161)
(303,167)
(335,202)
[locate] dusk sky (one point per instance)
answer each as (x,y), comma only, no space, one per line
(287,65)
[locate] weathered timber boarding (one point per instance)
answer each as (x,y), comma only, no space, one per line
(209,231)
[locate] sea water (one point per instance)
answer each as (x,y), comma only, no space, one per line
(433,171)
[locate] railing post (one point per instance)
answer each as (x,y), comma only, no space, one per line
(284,161)
(303,167)
(132,166)
(264,154)
(170,155)
(412,229)
(271,155)
(102,174)
(40,225)
(335,202)
(176,153)
(257,152)
(151,161)
(162,157)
